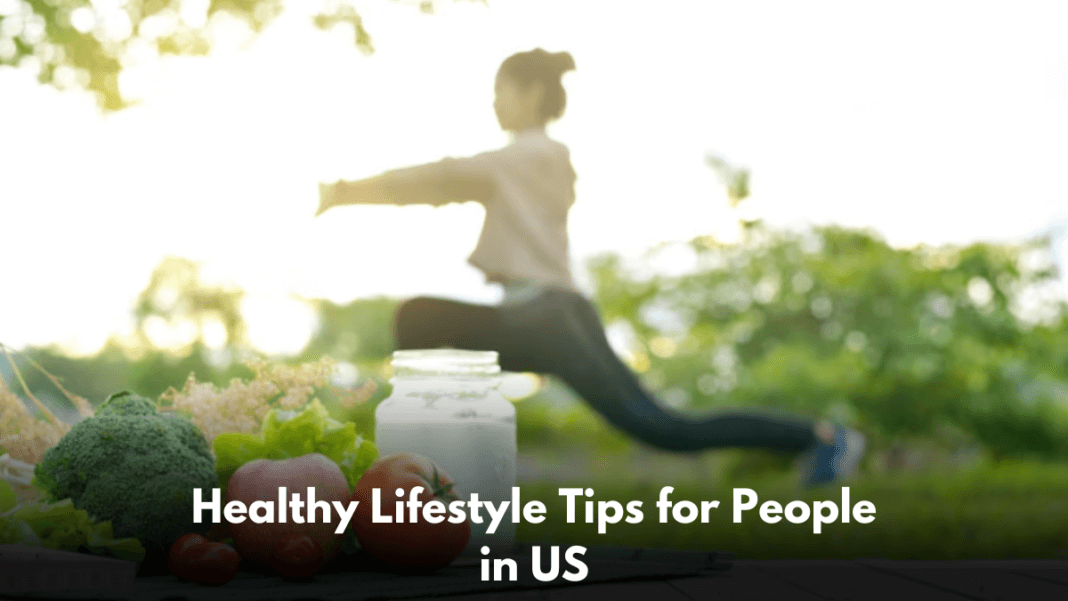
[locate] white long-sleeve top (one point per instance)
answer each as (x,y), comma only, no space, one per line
(527,188)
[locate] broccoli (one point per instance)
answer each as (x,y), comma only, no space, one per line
(133,465)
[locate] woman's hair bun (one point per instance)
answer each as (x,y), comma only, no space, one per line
(563,62)
(546,69)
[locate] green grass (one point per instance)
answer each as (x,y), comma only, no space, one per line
(1017,510)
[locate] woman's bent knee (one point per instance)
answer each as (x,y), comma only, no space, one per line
(410,320)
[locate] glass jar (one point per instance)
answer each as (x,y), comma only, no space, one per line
(446,405)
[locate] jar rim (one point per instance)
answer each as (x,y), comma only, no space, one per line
(445,361)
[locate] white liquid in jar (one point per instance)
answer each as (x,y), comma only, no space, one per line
(478,454)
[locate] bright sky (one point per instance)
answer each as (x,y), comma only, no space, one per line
(929,122)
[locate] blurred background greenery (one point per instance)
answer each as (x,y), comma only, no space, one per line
(922,348)
(927,350)
(964,399)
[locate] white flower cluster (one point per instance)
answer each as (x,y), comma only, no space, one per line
(23,435)
(241,406)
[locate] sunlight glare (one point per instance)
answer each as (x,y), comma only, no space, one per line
(214,333)
(518,386)
(345,375)
(170,336)
(278,324)
(83,19)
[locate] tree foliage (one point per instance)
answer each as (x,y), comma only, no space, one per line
(87,42)
(931,342)
(176,294)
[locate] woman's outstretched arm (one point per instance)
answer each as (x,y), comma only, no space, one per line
(447,180)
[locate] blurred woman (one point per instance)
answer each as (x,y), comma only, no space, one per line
(544,324)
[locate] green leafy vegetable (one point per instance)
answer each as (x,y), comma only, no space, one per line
(286,434)
(134,466)
(8,497)
(61,526)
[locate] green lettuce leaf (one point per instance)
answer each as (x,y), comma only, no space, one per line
(285,434)
(60,525)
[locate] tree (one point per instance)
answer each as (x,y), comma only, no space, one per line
(923,342)
(85,42)
(175,295)
(359,332)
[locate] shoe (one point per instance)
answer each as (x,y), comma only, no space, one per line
(838,460)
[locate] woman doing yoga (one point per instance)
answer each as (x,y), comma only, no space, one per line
(544,323)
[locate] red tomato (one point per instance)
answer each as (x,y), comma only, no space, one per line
(203,562)
(176,558)
(218,532)
(297,556)
(259,481)
(420,544)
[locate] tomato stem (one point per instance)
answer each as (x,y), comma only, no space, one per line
(441,489)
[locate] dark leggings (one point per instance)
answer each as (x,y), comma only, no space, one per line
(560,333)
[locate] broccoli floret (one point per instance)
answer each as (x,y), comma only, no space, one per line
(133,465)
(126,403)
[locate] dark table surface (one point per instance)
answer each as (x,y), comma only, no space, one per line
(808,580)
(621,574)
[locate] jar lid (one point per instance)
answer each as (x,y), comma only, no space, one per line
(445,362)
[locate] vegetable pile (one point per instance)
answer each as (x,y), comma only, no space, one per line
(134,466)
(120,482)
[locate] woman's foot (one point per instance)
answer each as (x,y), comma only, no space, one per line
(834,458)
